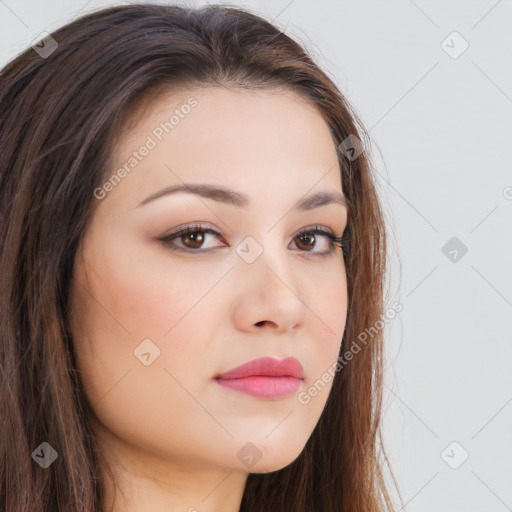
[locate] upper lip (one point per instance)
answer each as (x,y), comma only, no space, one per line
(266,366)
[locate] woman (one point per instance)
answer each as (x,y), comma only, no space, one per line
(191,248)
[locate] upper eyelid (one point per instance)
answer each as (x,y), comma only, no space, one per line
(211,230)
(325,231)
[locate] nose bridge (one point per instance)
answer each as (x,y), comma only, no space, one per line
(268,281)
(268,260)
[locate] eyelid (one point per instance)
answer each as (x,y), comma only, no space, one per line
(209,228)
(194,226)
(335,240)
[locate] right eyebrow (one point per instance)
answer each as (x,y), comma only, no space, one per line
(228,196)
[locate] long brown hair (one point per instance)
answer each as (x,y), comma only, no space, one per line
(59,116)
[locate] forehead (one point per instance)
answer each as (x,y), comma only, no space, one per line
(255,140)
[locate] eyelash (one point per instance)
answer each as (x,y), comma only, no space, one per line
(334,240)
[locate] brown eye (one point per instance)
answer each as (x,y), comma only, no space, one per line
(307,241)
(193,239)
(190,239)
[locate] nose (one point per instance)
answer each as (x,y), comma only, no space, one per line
(269,296)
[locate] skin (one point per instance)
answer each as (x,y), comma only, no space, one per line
(167,430)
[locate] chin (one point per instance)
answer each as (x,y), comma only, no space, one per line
(275,459)
(272,466)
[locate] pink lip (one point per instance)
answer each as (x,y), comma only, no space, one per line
(265,377)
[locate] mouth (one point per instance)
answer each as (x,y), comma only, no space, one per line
(266,378)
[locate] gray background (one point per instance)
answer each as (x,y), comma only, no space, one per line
(441,127)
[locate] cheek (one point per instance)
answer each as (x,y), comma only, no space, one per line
(328,305)
(330,302)
(126,303)
(132,297)
(141,295)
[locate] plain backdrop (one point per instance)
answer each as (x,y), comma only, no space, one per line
(432,81)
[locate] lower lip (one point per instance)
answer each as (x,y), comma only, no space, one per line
(263,387)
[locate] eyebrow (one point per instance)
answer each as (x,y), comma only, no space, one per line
(232,197)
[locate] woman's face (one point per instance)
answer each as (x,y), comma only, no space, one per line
(153,327)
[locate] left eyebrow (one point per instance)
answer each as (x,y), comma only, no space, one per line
(228,196)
